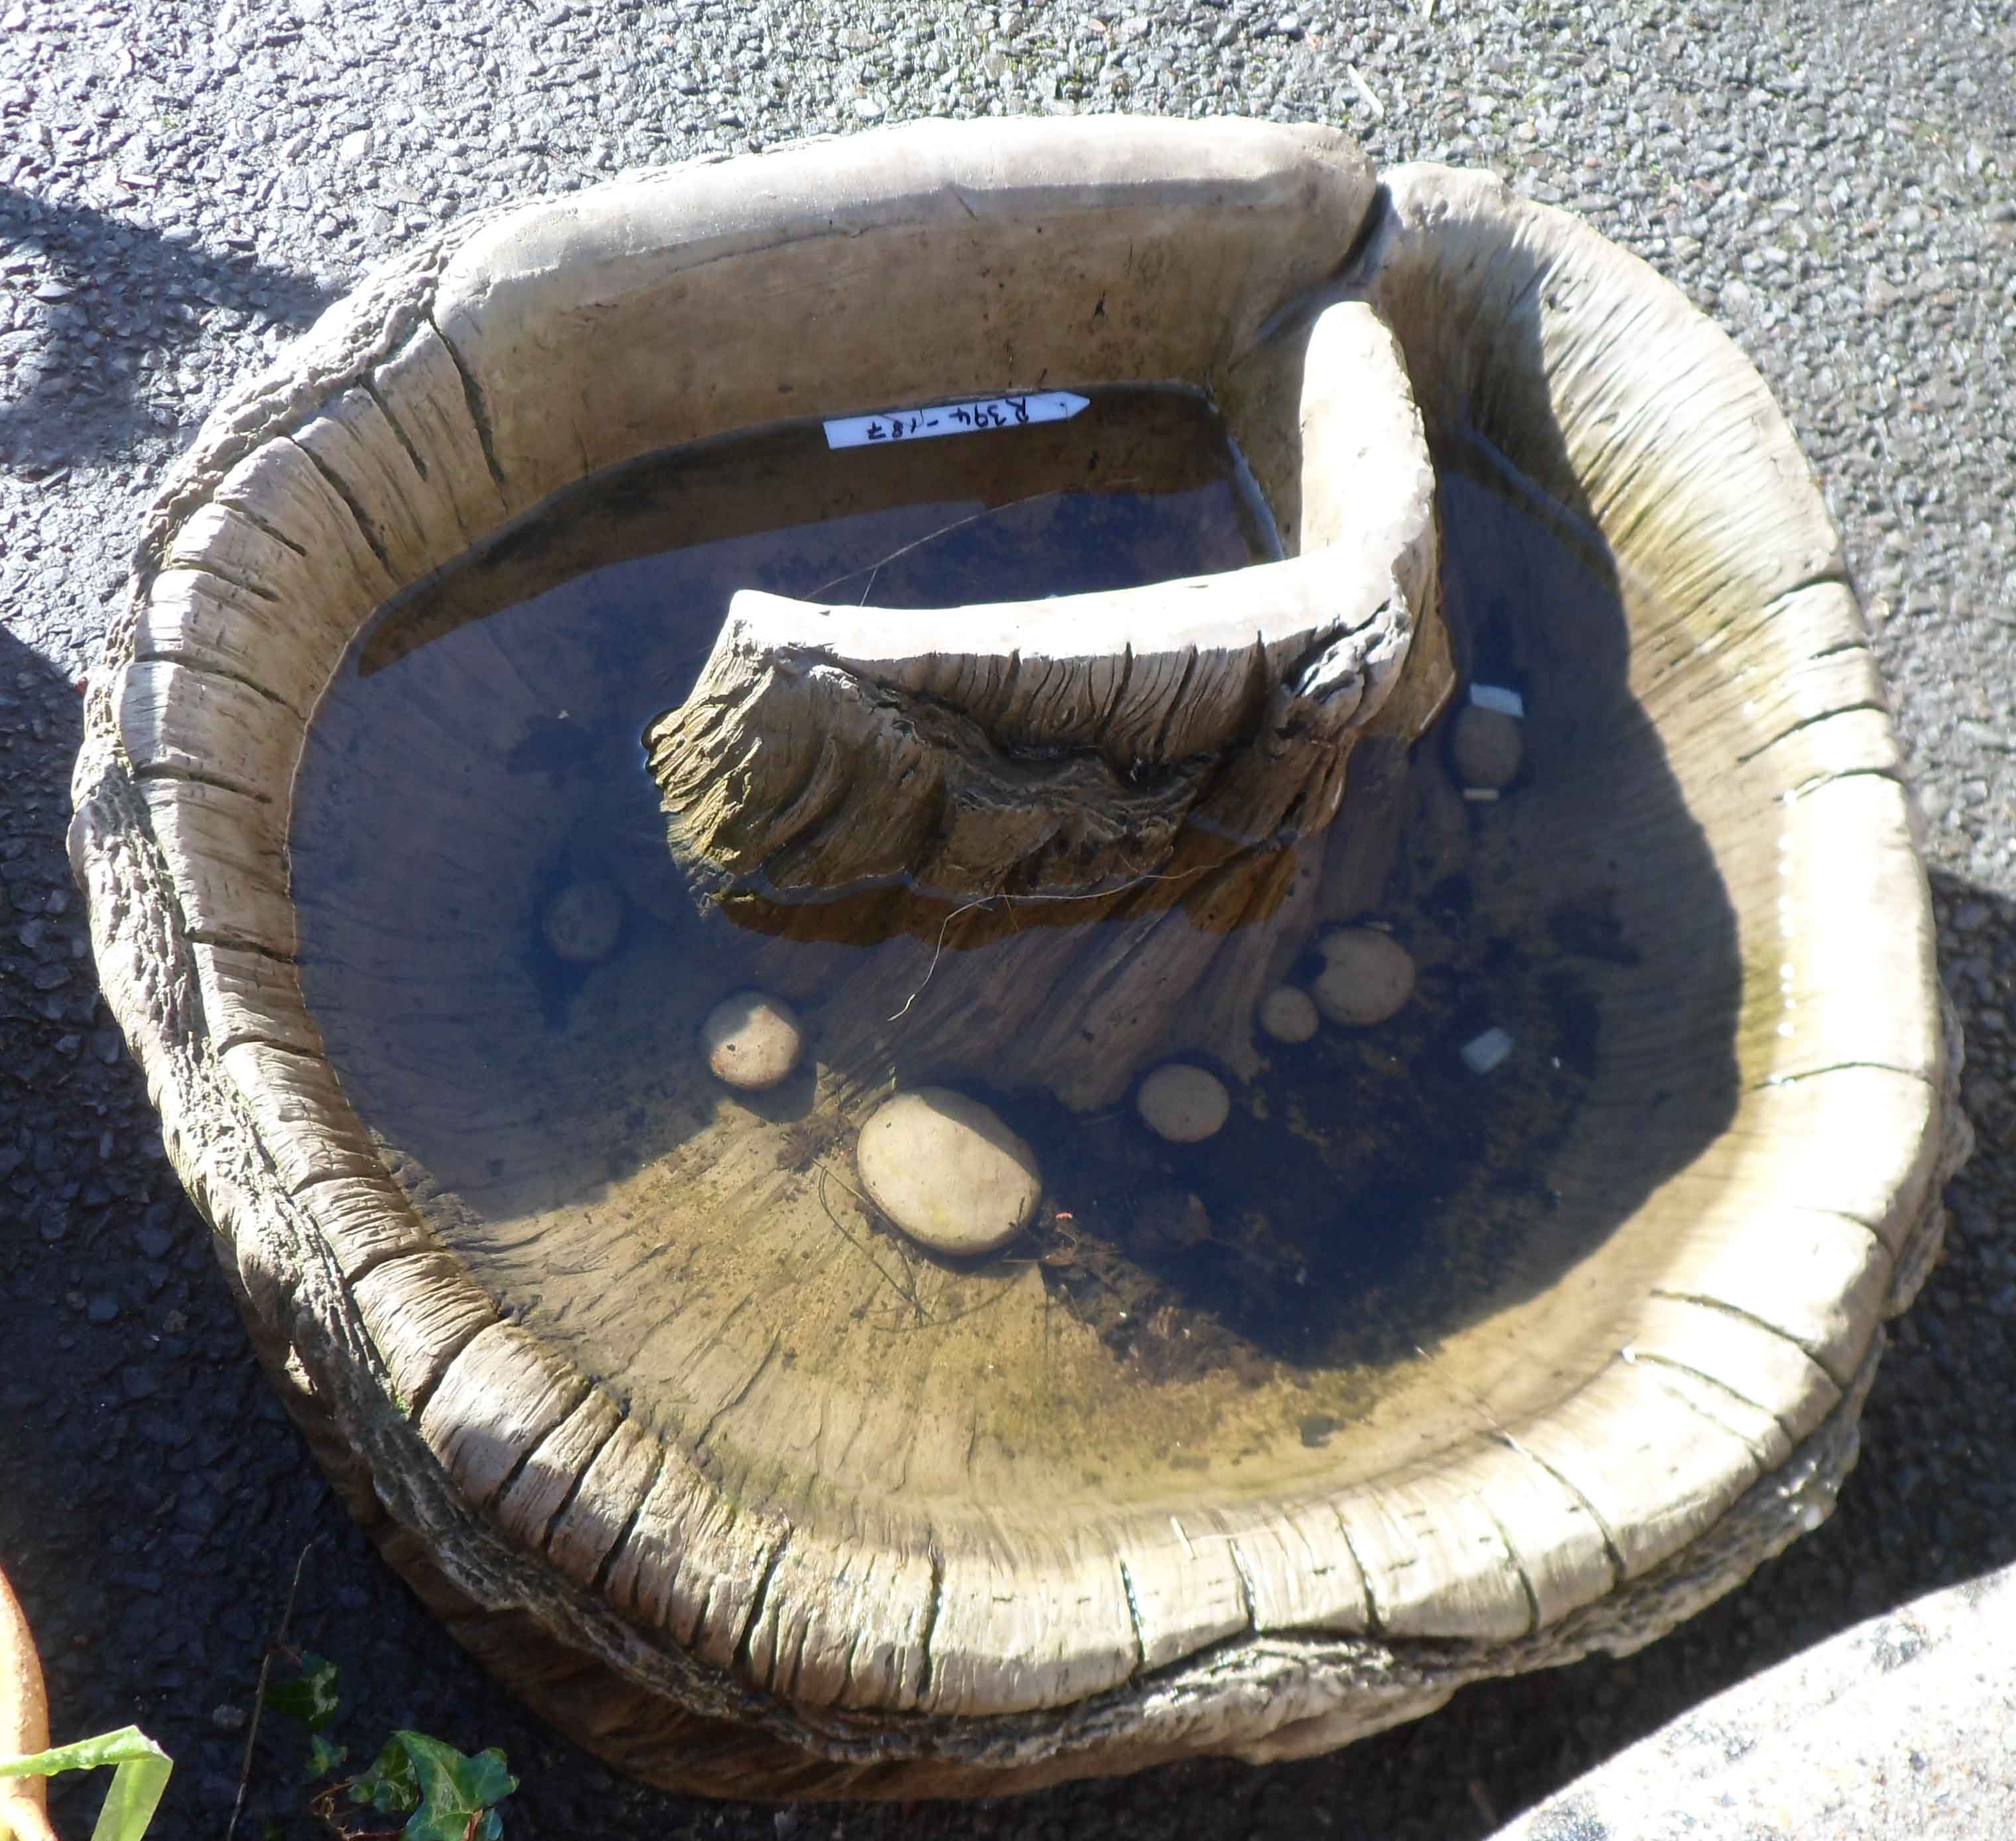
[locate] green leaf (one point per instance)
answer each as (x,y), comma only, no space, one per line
(389,1786)
(454,1789)
(323,1757)
(139,1775)
(310,1697)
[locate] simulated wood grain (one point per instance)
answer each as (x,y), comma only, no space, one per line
(195,617)
(249,995)
(364,456)
(1655,1470)
(366,1220)
(178,723)
(501,1394)
(425,397)
(551,1471)
(222,853)
(304,1122)
(420,1312)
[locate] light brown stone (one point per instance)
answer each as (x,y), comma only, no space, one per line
(1367,976)
(1184,1103)
(1289,1014)
(949,1171)
(752,1041)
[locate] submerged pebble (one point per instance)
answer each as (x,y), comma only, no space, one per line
(752,1041)
(583,921)
(948,1171)
(1487,746)
(1183,1104)
(1367,976)
(1288,1014)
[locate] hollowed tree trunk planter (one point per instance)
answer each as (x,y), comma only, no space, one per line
(678,1469)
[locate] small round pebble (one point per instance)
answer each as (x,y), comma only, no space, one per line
(1288,1014)
(583,921)
(1487,746)
(1367,976)
(948,1171)
(752,1041)
(1183,1104)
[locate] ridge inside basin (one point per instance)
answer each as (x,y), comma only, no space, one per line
(1240,1307)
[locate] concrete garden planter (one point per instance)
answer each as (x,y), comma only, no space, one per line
(1495,448)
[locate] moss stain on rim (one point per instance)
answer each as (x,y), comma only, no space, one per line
(1580,1470)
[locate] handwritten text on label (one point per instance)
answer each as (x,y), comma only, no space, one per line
(964,418)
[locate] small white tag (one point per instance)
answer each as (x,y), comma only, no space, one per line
(1481,1053)
(1490,697)
(960,418)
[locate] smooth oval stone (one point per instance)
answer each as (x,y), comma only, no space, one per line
(1288,1014)
(948,1171)
(752,1041)
(583,921)
(1183,1104)
(1487,746)
(1367,976)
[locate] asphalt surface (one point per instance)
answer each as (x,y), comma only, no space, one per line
(183,186)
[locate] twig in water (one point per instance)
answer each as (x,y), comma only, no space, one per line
(874,569)
(909,1292)
(938,951)
(986,901)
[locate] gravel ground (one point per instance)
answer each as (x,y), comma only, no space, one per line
(183,185)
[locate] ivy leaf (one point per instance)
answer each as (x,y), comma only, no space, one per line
(389,1786)
(323,1757)
(310,1697)
(458,1792)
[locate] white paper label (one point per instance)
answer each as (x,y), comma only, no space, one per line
(960,418)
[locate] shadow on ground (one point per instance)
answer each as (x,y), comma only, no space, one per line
(117,292)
